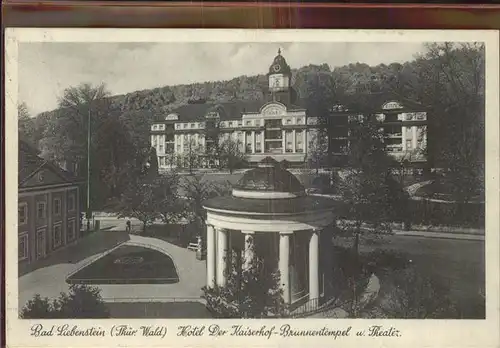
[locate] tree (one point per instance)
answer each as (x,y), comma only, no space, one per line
(450,79)
(318,149)
(148,199)
(82,302)
(26,124)
(231,156)
(370,194)
(174,207)
(72,133)
(152,163)
(212,133)
(196,191)
(191,156)
(252,291)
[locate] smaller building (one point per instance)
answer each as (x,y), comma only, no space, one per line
(403,125)
(291,231)
(48,207)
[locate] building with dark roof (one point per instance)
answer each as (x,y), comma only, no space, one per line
(48,207)
(279,126)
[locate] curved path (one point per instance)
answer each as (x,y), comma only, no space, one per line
(50,281)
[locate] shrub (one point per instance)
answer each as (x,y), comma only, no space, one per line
(82,301)
(252,291)
(37,308)
(413,295)
(387,260)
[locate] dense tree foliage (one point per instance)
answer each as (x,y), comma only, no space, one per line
(368,189)
(149,199)
(450,80)
(231,155)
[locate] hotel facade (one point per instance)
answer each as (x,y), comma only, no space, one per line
(279,127)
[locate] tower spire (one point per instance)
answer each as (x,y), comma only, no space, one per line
(279,51)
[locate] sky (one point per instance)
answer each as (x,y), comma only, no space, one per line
(46,69)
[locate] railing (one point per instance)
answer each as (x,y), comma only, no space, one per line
(308,307)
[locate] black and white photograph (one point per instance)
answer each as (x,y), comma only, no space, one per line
(246,180)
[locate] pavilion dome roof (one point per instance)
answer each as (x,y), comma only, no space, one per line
(278,182)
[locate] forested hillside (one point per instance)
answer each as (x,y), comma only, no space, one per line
(349,79)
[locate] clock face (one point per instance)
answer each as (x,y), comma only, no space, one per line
(276,67)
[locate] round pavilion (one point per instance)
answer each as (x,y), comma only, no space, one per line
(270,205)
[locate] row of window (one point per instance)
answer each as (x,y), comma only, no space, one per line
(41,209)
(229,124)
(41,239)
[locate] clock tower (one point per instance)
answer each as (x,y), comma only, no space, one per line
(279,77)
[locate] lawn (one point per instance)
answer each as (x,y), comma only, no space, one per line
(459,264)
(128,265)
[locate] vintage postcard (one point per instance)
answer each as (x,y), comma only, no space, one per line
(176,187)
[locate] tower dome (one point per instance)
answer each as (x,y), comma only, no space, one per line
(279,65)
(268,182)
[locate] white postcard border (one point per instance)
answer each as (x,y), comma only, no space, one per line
(414,333)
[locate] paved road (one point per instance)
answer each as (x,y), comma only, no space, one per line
(440,235)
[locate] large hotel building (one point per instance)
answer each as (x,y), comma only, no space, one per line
(279,126)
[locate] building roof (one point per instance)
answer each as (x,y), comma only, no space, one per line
(227,110)
(271,178)
(271,207)
(30,163)
(279,65)
(373,102)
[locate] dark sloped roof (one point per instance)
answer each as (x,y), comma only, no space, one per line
(267,179)
(373,102)
(29,163)
(279,65)
(269,160)
(227,110)
(302,204)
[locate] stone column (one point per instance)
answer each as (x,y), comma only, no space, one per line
(284,266)
(293,141)
(263,142)
(182,143)
(314,265)
(424,136)
(403,137)
(283,140)
(222,255)
(305,139)
(249,252)
(244,142)
(210,256)
(414,137)
(253,141)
